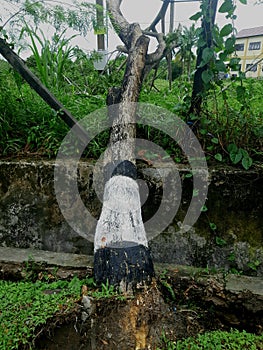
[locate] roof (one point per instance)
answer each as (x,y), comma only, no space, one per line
(246,33)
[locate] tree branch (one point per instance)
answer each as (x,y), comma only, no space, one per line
(118,21)
(159,16)
(159,53)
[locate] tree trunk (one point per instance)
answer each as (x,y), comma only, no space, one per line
(122,257)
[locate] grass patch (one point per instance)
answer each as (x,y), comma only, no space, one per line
(26,306)
(217,340)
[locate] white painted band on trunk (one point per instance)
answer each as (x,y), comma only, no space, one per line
(120,218)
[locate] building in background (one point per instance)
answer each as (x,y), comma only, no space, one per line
(249,48)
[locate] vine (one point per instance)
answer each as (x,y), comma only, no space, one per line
(216,48)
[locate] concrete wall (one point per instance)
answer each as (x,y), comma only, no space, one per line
(31,217)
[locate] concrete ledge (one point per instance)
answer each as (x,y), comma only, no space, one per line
(19,256)
(15,257)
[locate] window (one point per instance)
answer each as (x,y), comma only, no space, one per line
(254,45)
(251,67)
(239,47)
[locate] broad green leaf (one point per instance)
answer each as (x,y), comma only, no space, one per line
(244,153)
(207,54)
(223,56)
(219,157)
(226,30)
(236,157)
(196,16)
(247,162)
(220,66)
(227,6)
(207,76)
(243,2)
(230,45)
(232,148)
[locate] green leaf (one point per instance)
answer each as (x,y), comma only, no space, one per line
(244,153)
(236,157)
(207,55)
(234,63)
(219,157)
(247,162)
(220,66)
(212,226)
(243,2)
(226,30)
(227,6)
(188,175)
(196,16)
(207,76)
(232,148)
(223,56)
(215,140)
(230,45)
(204,208)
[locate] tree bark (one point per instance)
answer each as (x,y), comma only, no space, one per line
(122,257)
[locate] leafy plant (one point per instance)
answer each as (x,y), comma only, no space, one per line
(52,56)
(106,291)
(25,306)
(238,154)
(219,340)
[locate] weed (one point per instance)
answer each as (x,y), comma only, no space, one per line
(218,340)
(26,305)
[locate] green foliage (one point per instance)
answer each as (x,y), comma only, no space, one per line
(25,306)
(218,340)
(28,305)
(77,15)
(226,120)
(105,291)
(239,154)
(51,57)
(230,128)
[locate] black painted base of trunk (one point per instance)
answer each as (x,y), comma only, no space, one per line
(125,265)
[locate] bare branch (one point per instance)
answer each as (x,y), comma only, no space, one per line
(159,53)
(123,49)
(119,23)
(159,16)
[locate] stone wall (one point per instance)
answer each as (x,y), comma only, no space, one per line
(227,235)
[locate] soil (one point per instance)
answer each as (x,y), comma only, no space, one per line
(179,306)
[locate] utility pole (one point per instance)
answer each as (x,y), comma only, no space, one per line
(100,25)
(169,56)
(100,32)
